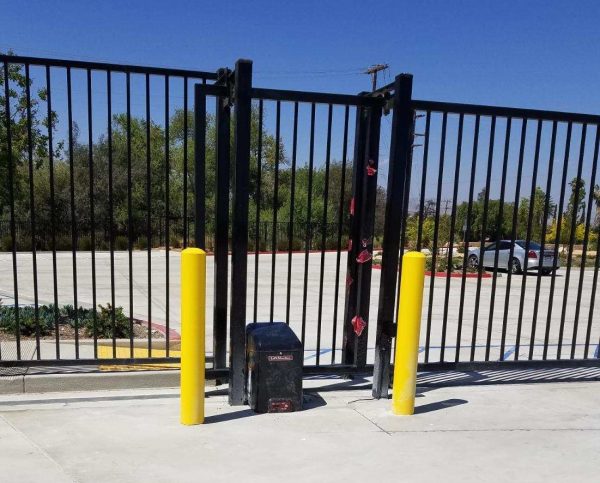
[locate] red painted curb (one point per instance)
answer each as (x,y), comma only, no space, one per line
(376,266)
(278,252)
(460,275)
(173,334)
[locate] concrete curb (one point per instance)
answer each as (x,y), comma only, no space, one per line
(39,383)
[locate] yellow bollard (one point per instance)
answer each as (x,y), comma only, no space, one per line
(407,335)
(193,307)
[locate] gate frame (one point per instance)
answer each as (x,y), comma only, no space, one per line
(395,215)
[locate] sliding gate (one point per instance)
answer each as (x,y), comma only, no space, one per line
(302,217)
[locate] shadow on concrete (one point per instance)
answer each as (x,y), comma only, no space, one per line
(312,401)
(339,383)
(221,418)
(436,406)
(507,376)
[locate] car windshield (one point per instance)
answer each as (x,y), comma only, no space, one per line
(532,245)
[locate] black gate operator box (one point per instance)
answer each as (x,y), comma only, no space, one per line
(274,358)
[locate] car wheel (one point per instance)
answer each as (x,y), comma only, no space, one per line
(547,271)
(515,266)
(473,262)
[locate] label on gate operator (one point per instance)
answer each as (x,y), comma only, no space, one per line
(281,358)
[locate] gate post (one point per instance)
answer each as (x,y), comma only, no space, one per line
(395,212)
(221,247)
(360,249)
(242,97)
(395,216)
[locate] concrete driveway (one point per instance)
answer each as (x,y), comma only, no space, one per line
(528,433)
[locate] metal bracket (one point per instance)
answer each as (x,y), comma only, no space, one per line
(225,78)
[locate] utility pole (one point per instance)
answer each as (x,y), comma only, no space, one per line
(372,71)
(446,203)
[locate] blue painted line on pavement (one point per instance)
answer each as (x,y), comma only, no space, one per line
(324,351)
(508,353)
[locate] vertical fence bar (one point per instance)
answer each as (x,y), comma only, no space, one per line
(92,214)
(32,213)
(528,237)
(349,355)
(275,208)
(258,200)
(73,218)
(586,238)
(499,236)
(339,234)
(149,211)
(434,251)
(588,332)
(185,164)
(575,209)
(111,214)
(559,219)
(543,240)
(11,195)
(451,240)
(167,214)
(52,207)
(486,201)
(239,252)
(466,238)
(308,217)
(291,222)
(221,247)
(405,203)
(324,233)
(199,167)
(400,149)
(423,181)
(129,210)
(513,236)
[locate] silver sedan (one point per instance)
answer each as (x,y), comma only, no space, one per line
(534,258)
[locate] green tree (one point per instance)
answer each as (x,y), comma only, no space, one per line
(29,127)
(537,216)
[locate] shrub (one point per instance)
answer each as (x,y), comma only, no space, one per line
(63,243)
(175,241)
(442,263)
(65,315)
(27,321)
(141,243)
(104,324)
(282,244)
(121,243)
(5,243)
(85,243)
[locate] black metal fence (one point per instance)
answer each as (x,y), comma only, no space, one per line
(516,181)
(269,179)
(88,162)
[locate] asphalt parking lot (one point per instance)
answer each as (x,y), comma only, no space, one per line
(158,289)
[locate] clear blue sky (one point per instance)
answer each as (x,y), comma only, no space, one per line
(536,54)
(542,54)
